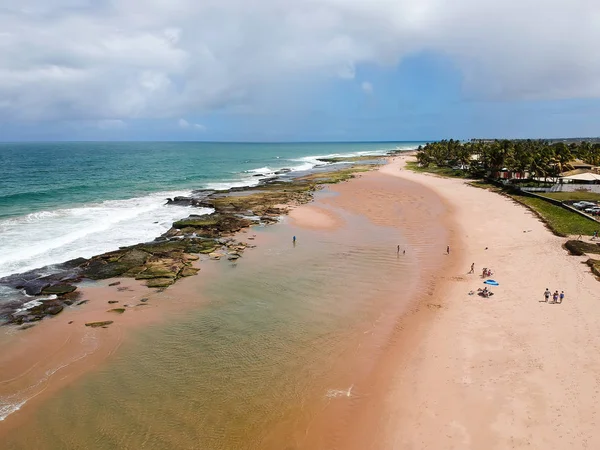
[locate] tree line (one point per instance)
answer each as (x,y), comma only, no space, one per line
(529,158)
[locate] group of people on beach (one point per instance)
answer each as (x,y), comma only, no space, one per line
(555,297)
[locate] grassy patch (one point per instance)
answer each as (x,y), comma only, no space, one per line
(594,265)
(442,171)
(574,196)
(561,221)
(485,185)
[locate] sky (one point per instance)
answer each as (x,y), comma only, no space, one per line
(298,70)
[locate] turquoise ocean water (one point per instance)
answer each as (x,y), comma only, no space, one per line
(64,200)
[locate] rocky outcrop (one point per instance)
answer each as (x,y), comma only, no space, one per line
(162,262)
(579,248)
(58,289)
(99,324)
(212,225)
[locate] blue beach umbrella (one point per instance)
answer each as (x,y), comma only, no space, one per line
(491,282)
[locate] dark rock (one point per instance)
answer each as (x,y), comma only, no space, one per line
(34,287)
(70,322)
(212,225)
(579,248)
(117,310)
(185,201)
(188,271)
(282,171)
(82,302)
(98,324)
(143,300)
(68,302)
(54,310)
(113,301)
(116,283)
(160,282)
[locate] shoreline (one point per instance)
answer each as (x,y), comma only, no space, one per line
(455,370)
(510,371)
(168,257)
(313,216)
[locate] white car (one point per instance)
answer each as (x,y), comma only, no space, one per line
(583,205)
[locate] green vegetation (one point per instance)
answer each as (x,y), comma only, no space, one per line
(529,158)
(437,170)
(533,160)
(560,220)
(572,196)
(594,265)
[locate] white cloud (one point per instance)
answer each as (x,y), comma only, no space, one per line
(366,87)
(76,59)
(187,125)
(111,124)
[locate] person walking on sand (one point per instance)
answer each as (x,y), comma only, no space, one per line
(294,240)
(555,297)
(472,268)
(561,296)
(398,251)
(547,294)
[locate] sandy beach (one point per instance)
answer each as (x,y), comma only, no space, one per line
(424,365)
(510,371)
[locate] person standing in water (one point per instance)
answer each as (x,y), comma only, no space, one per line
(398,251)
(448,249)
(294,240)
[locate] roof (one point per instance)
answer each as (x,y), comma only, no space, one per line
(579,163)
(583,177)
(568,173)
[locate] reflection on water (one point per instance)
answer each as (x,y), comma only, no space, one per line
(290,333)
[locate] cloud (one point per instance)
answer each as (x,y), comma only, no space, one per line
(111,124)
(182,123)
(366,87)
(113,60)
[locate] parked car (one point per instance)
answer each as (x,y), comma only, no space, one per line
(592,210)
(583,205)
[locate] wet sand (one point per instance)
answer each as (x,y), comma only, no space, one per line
(359,374)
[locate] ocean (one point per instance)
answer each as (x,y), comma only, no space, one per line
(64,200)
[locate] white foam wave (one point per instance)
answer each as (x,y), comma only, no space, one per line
(7,408)
(13,402)
(260,170)
(51,237)
(33,303)
(335,393)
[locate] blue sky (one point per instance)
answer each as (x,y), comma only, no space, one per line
(274,71)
